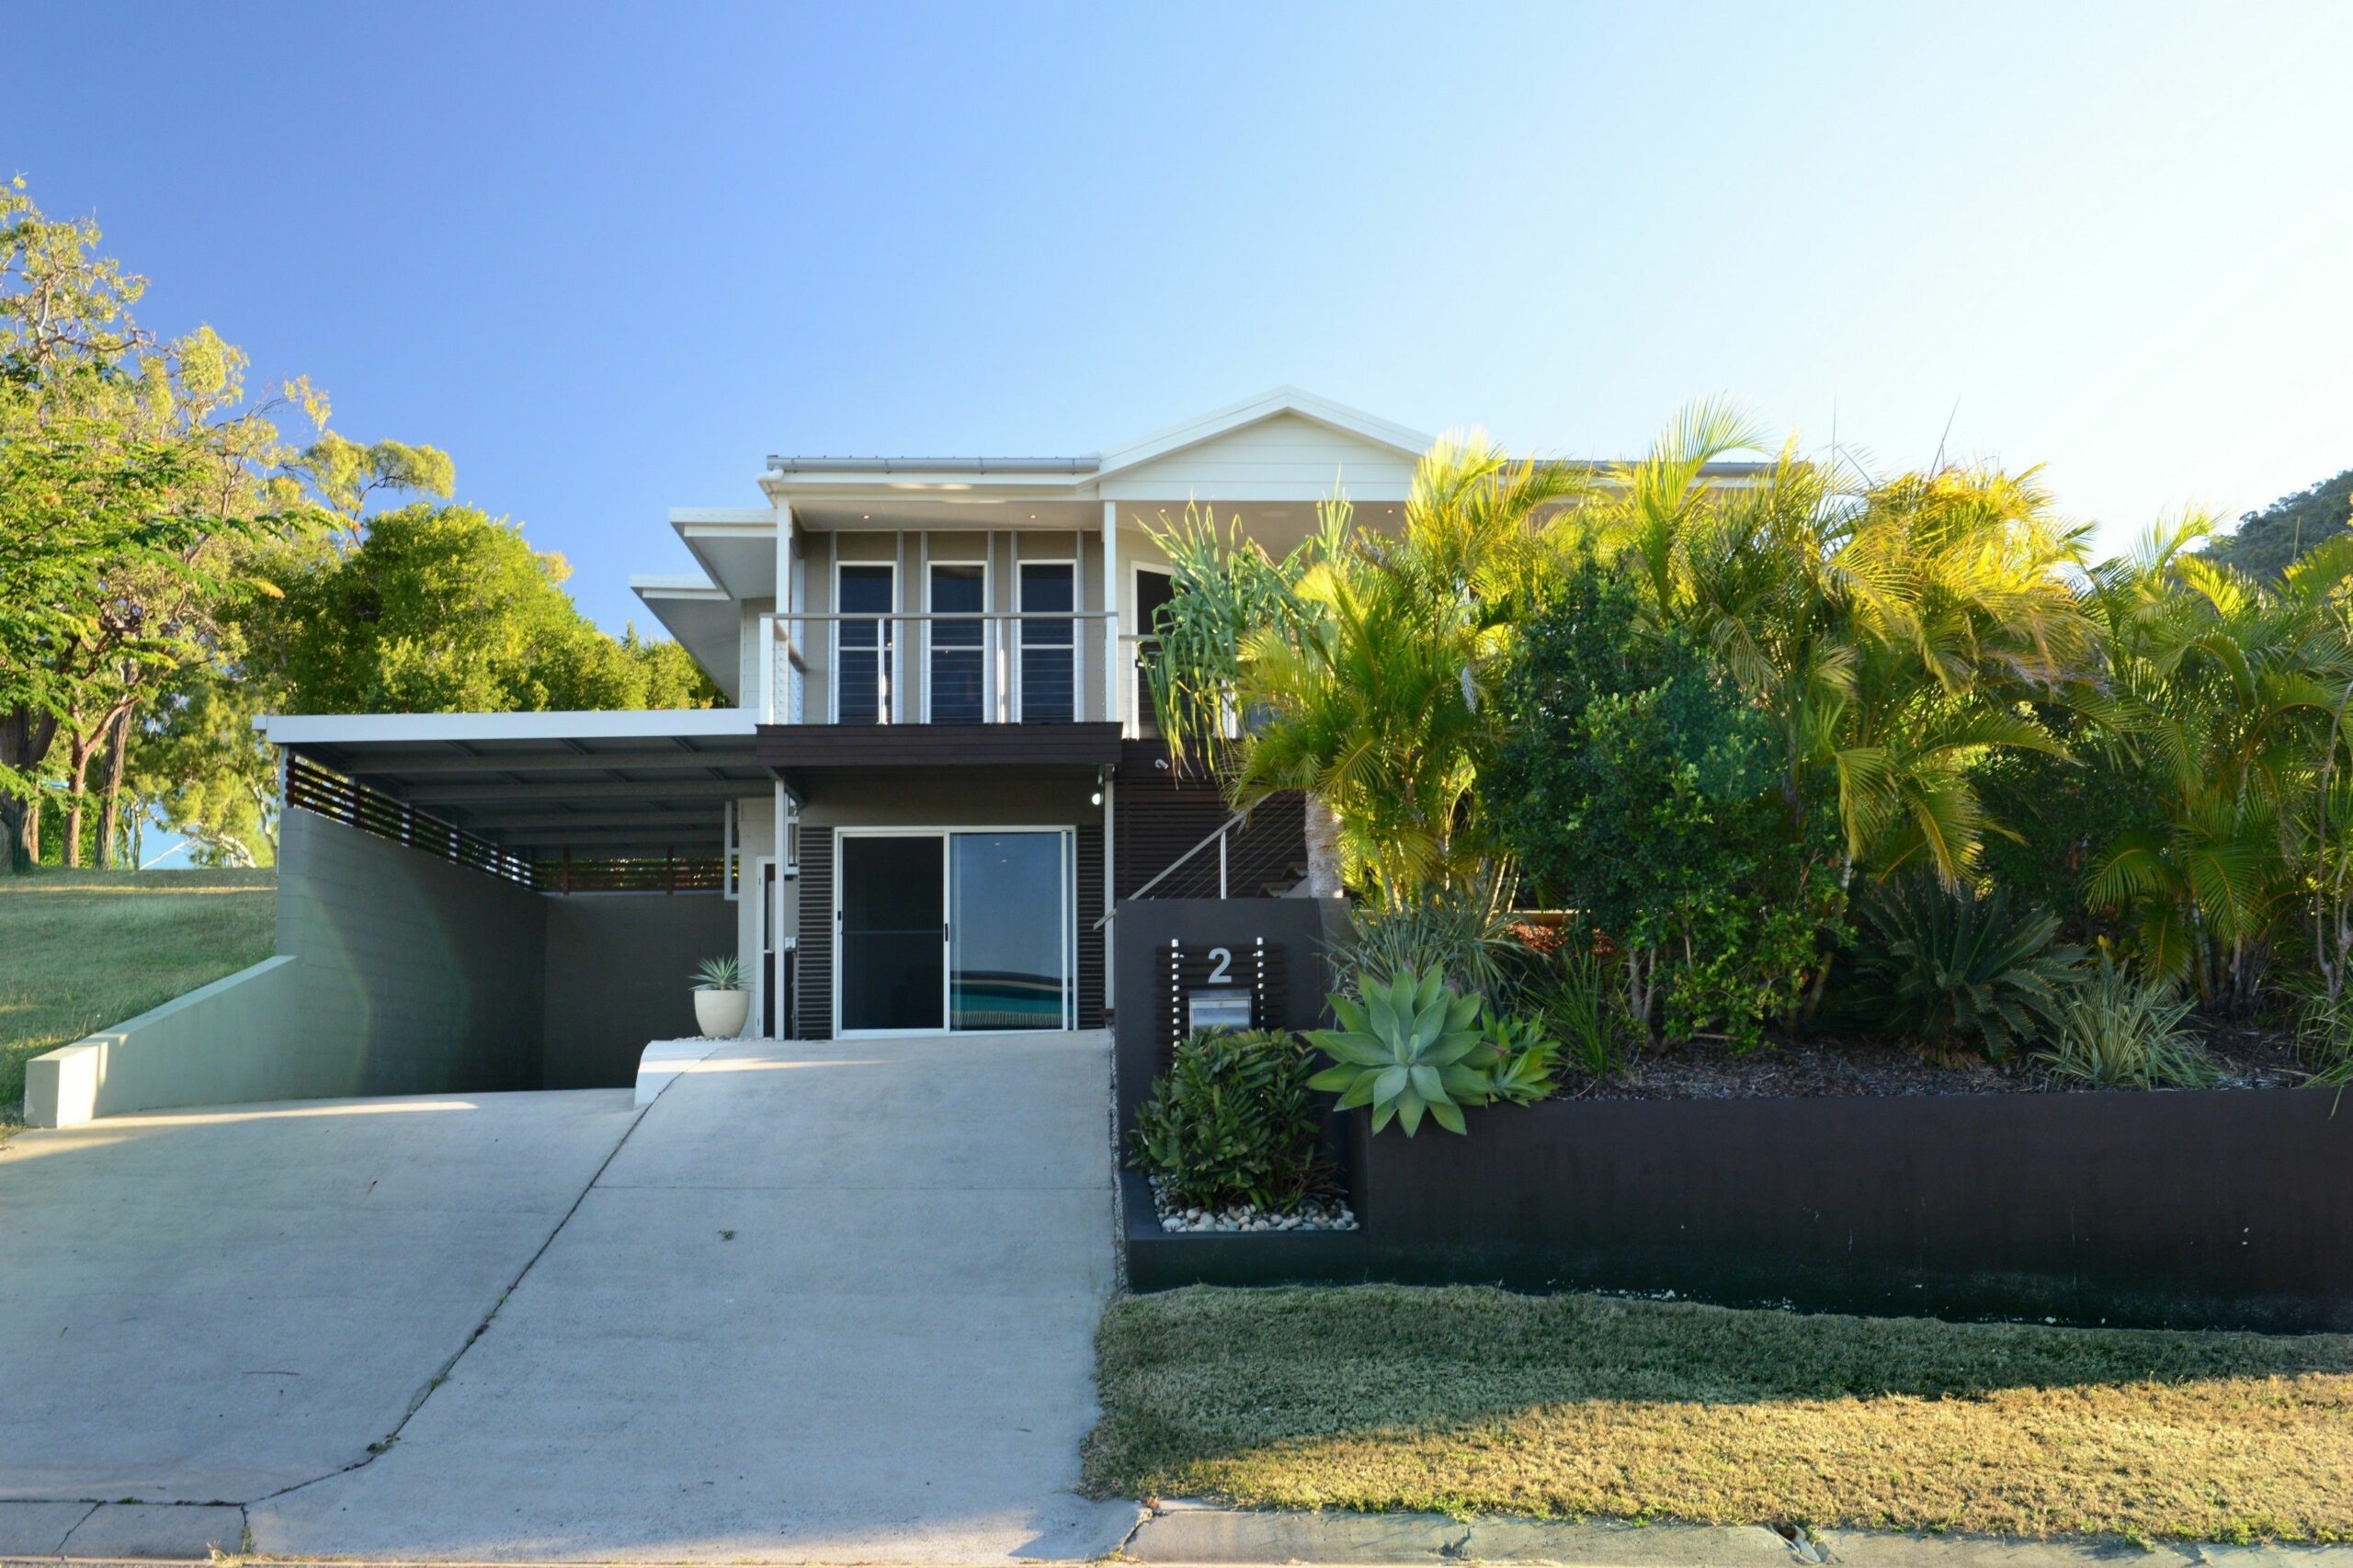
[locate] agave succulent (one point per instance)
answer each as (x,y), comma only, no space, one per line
(1411,1047)
(1521,1058)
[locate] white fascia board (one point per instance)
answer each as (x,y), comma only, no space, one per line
(887,488)
(754,518)
(657,586)
(1267,405)
(424,729)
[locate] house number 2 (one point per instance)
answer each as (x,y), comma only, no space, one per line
(1221,974)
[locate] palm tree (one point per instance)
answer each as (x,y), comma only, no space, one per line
(1362,662)
(1893,629)
(2230,691)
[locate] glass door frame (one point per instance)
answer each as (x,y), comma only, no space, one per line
(1067,944)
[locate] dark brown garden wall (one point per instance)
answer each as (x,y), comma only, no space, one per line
(2215,1208)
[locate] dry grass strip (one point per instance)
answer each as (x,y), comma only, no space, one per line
(1469,1401)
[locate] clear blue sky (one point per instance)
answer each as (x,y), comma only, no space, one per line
(612,258)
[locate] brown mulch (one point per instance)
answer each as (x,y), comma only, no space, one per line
(2253,1058)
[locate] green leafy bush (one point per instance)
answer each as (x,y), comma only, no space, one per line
(1232,1122)
(1640,786)
(1409,1047)
(1944,967)
(2118,1031)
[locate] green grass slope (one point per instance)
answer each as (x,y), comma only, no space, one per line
(80,950)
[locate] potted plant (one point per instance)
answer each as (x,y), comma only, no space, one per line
(721,1002)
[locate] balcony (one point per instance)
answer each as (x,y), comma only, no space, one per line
(905,692)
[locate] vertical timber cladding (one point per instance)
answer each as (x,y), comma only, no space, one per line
(1165,810)
(812,1006)
(1088,858)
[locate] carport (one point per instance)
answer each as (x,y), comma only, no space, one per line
(615,846)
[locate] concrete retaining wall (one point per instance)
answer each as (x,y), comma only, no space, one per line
(417,976)
(397,974)
(619,968)
(173,1056)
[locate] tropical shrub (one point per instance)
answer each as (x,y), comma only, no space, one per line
(1409,1047)
(1458,936)
(1577,1004)
(1639,788)
(1942,966)
(2118,1031)
(1232,1122)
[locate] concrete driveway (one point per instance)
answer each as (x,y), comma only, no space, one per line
(215,1305)
(827,1302)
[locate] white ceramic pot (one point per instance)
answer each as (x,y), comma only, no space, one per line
(721,1014)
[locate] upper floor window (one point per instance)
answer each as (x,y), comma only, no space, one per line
(1048,689)
(958,679)
(863,648)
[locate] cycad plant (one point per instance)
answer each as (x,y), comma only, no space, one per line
(1939,966)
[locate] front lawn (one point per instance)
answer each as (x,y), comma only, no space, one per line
(80,950)
(1474,1400)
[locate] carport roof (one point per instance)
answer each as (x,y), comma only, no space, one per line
(601,785)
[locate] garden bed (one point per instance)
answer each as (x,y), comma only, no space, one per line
(2250,1057)
(1470,1400)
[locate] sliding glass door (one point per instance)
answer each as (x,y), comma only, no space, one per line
(960,930)
(1008,927)
(893,938)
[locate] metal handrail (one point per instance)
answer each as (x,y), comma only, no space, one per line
(1216,837)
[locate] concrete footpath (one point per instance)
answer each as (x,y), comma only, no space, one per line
(1180,1535)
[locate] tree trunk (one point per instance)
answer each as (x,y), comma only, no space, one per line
(1322,848)
(25,737)
(77,776)
(110,804)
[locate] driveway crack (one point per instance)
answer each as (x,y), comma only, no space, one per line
(383,1445)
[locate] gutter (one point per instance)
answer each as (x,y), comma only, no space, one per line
(933,465)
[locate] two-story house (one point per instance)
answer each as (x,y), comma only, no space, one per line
(934,781)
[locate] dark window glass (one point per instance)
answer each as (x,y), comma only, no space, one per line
(892,933)
(958,686)
(1049,648)
(863,681)
(1153,589)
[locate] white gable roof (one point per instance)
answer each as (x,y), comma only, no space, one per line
(1292,401)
